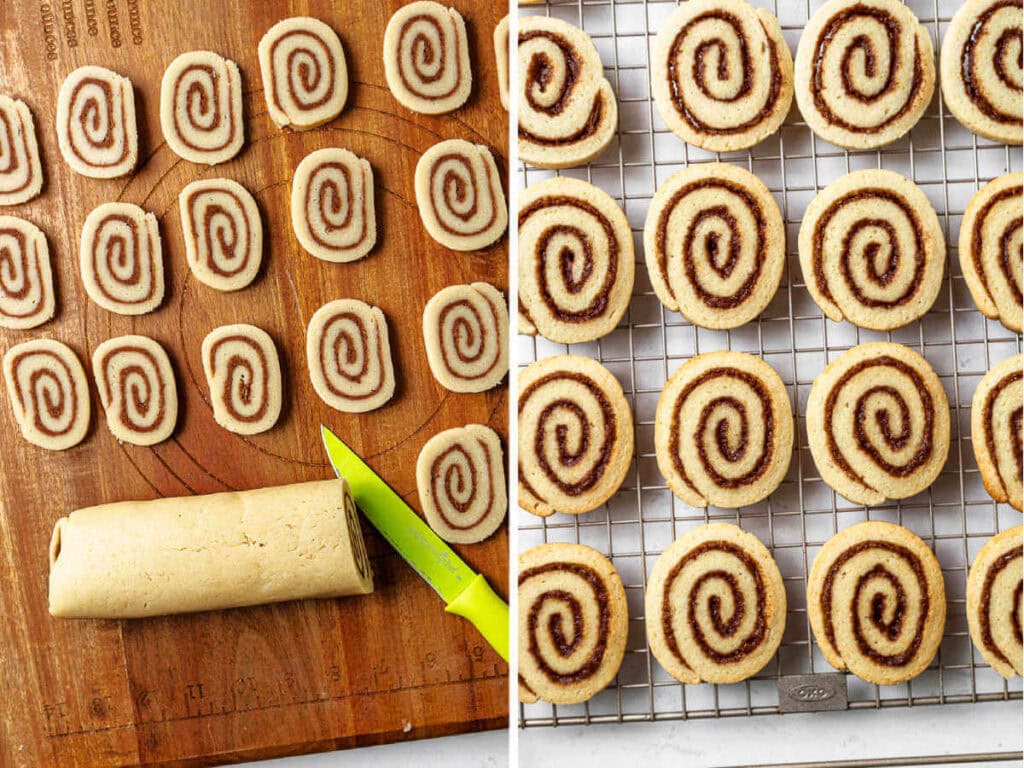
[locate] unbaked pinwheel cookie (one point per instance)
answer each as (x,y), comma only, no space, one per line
(460,475)
(121,259)
(981,73)
(872,250)
(349,356)
(715,606)
(501,55)
(567,109)
(48,392)
(333,212)
(723,430)
(305,77)
(876,602)
(991,249)
(573,623)
(459,195)
(465,328)
(223,233)
(576,260)
(722,74)
(865,72)
(96,128)
(243,372)
(201,107)
(575,435)
(715,245)
(426,58)
(137,389)
(21,173)
(995,603)
(27,296)
(878,423)
(997,411)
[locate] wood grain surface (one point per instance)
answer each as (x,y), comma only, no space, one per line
(276,680)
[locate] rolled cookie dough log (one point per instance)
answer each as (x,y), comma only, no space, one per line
(202,553)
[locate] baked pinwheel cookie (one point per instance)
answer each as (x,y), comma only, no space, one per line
(223,233)
(723,430)
(715,245)
(459,195)
(980,65)
(878,423)
(349,356)
(305,77)
(573,623)
(501,54)
(21,173)
(991,249)
(722,74)
(575,435)
(876,602)
(865,72)
(96,128)
(872,250)
(244,375)
(996,435)
(137,389)
(201,107)
(121,259)
(27,296)
(426,58)
(567,109)
(715,606)
(460,475)
(576,260)
(994,602)
(48,392)
(465,328)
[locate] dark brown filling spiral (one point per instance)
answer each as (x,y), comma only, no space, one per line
(330,203)
(241,371)
(227,227)
(423,54)
(303,71)
(468,339)
(201,100)
(459,185)
(20,270)
(358,545)
(92,118)
(121,255)
(1006,257)
(461,479)
(40,385)
(973,80)
(985,603)
(1013,426)
(10,163)
(140,384)
(345,351)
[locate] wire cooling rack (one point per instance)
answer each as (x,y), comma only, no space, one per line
(955,516)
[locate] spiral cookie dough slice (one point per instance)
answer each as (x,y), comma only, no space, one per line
(876,602)
(461,480)
(723,430)
(201,107)
(722,74)
(715,245)
(465,328)
(997,412)
(575,435)
(27,297)
(49,393)
(244,374)
(426,58)
(573,623)
(872,250)
(121,259)
(567,109)
(21,173)
(865,72)
(459,195)
(223,233)
(995,603)
(136,385)
(333,213)
(576,260)
(991,249)
(878,423)
(349,356)
(305,77)
(715,606)
(980,65)
(501,55)
(96,128)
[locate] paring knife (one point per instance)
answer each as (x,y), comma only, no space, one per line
(464,592)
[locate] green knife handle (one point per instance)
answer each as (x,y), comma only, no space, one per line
(486,611)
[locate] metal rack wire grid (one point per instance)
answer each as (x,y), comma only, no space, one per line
(955,516)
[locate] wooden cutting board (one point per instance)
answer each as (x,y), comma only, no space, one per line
(276,680)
